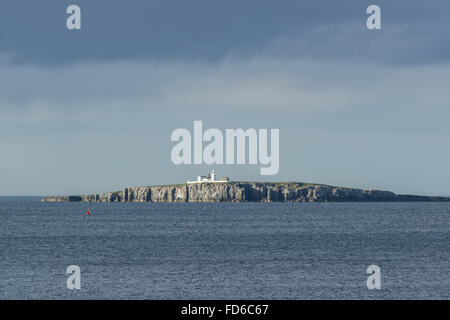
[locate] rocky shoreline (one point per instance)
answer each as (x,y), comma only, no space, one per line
(245,192)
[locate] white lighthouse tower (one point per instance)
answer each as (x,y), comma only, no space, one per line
(210,178)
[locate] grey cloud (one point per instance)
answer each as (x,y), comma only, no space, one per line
(415,32)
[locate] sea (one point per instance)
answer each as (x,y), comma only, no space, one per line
(223,250)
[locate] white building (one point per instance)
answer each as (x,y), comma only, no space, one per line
(210,178)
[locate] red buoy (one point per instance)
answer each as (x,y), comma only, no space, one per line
(88,213)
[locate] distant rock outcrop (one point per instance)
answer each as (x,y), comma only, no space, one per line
(244,192)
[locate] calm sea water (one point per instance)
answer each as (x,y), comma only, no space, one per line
(224,251)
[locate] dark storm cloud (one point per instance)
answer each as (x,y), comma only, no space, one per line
(414,32)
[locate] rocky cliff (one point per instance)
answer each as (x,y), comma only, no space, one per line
(243,192)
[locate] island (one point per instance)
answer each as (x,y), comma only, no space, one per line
(206,189)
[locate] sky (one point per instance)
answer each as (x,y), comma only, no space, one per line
(92,110)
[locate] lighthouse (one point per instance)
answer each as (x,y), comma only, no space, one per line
(210,178)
